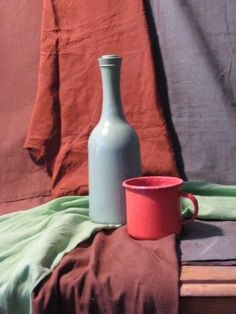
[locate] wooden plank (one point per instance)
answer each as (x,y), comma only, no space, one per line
(207,281)
(205,290)
(208,273)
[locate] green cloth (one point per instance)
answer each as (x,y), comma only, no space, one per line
(216,202)
(32,243)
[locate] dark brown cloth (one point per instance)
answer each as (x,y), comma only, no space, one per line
(113,273)
(68,105)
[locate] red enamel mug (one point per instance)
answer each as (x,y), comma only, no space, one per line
(153,206)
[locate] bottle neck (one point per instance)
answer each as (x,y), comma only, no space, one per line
(112,106)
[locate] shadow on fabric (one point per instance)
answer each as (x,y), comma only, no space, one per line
(163,89)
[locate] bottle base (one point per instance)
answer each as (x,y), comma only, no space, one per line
(107,221)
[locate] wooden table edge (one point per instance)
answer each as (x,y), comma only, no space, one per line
(208,281)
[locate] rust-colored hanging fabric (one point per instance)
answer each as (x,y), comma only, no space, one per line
(68,103)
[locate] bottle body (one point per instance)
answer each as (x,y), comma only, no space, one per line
(113,150)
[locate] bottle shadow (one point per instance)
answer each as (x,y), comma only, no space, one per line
(161,85)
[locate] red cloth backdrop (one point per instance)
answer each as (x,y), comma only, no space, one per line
(68,105)
(22,184)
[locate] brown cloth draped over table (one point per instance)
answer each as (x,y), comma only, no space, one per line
(113,273)
(68,103)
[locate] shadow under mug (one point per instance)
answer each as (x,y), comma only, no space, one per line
(153,206)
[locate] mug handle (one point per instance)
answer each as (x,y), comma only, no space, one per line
(195,204)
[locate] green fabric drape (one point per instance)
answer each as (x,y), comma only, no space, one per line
(33,242)
(216,202)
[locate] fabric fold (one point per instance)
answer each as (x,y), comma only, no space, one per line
(113,273)
(34,244)
(215,201)
(197,42)
(34,241)
(68,103)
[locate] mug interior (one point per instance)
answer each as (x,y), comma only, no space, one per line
(152,182)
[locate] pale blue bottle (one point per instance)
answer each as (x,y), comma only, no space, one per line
(113,150)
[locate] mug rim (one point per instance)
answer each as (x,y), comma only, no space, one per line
(173,182)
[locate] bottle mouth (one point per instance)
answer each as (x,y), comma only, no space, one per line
(110,57)
(109,60)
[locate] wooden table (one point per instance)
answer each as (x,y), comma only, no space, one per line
(208,289)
